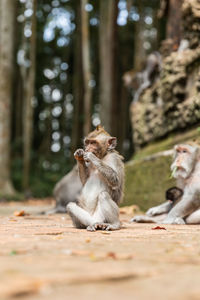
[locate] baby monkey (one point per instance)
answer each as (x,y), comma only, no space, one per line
(101,172)
(173,194)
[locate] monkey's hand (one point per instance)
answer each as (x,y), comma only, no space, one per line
(90,157)
(79,154)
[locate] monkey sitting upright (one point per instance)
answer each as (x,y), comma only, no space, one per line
(101,171)
(186,208)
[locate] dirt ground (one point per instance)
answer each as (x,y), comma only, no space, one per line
(44,257)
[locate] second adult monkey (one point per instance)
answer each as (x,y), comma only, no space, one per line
(186,208)
(101,171)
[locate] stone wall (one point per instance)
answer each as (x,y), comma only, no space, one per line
(173,101)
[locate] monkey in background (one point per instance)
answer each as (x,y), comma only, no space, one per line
(66,190)
(101,172)
(186,208)
(140,81)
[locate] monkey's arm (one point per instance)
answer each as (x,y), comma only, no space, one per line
(160,209)
(107,172)
(82,168)
(83,171)
(188,204)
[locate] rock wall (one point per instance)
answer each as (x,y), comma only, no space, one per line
(173,101)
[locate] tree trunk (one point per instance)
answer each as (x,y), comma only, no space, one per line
(107,36)
(7,15)
(86,68)
(173,30)
(139,39)
(29,88)
(17,93)
(77,128)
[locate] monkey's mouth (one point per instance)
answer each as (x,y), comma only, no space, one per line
(181,172)
(179,168)
(178,171)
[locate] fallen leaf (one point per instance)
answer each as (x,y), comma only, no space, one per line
(111,255)
(158,228)
(93,257)
(79,253)
(50,233)
(20,213)
(16,252)
(13,252)
(115,256)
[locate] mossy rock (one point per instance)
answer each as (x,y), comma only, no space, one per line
(147,181)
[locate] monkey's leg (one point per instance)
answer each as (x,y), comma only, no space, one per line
(194,218)
(80,217)
(107,213)
(146,219)
(56,210)
(186,206)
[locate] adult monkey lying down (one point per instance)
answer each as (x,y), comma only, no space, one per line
(186,207)
(101,171)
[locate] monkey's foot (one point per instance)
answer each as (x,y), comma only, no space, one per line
(91,228)
(98,226)
(176,220)
(101,226)
(142,219)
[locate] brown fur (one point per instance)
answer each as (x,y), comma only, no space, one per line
(99,130)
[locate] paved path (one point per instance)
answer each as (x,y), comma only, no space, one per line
(44,257)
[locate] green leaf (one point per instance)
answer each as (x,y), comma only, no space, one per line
(173,172)
(13,252)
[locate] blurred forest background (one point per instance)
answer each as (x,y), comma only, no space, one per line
(67,65)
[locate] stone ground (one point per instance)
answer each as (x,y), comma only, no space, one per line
(44,257)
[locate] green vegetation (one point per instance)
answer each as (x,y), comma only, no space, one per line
(146,182)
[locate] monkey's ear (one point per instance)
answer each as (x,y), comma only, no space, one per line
(86,141)
(112,143)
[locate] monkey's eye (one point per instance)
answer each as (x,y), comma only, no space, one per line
(93,142)
(184,151)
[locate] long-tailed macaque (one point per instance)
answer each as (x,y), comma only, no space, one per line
(186,207)
(101,172)
(66,190)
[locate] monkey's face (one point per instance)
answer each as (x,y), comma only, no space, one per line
(100,145)
(92,145)
(184,160)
